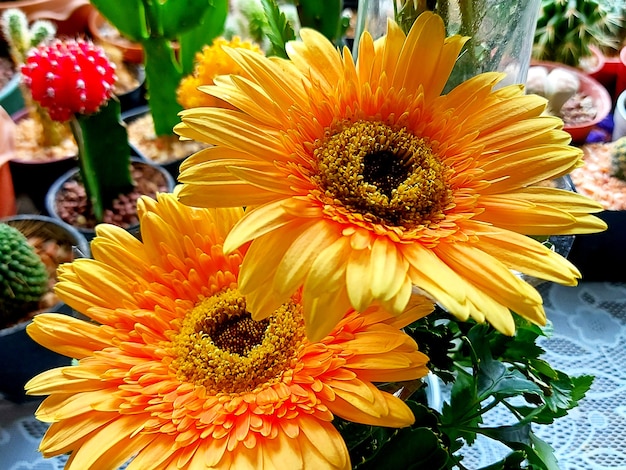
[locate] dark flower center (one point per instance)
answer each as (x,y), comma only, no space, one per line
(221,347)
(385,170)
(388,175)
(239,335)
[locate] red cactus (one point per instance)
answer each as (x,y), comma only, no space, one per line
(68,77)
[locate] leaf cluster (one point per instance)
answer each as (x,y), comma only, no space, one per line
(483,369)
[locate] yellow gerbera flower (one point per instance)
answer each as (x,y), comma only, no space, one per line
(363,181)
(211,62)
(174,373)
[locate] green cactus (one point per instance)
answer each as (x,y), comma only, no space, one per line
(618,157)
(566,29)
(157,25)
(21,38)
(23,276)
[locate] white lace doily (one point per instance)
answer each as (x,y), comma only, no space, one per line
(589,338)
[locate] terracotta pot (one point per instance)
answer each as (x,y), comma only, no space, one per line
(589,87)
(7,194)
(21,358)
(102,32)
(54,199)
(70,16)
(7,147)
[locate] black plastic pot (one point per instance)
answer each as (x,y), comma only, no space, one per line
(136,97)
(21,358)
(32,178)
(601,257)
(89,233)
(172,167)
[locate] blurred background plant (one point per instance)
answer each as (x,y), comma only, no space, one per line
(567,28)
(171,33)
(21,38)
(271,23)
(211,62)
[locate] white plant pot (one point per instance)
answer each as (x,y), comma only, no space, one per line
(619,117)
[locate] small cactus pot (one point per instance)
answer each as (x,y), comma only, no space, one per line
(54,197)
(588,87)
(619,117)
(21,358)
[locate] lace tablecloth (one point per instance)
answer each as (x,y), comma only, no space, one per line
(589,338)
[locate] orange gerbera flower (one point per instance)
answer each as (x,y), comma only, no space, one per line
(363,181)
(174,373)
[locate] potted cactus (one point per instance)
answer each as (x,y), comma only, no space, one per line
(31,248)
(44,149)
(73,80)
(170,33)
(70,16)
(581,101)
(567,30)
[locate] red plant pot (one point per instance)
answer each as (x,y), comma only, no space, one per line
(592,88)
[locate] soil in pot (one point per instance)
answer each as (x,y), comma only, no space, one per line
(579,109)
(70,203)
(595,178)
(167,151)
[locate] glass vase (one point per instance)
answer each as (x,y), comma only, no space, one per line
(501,31)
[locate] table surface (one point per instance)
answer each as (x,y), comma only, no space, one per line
(589,338)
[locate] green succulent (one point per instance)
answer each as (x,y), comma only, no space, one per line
(23,276)
(566,29)
(618,157)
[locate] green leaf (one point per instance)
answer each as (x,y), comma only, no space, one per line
(511,461)
(461,417)
(495,378)
(417,448)
(516,433)
(539,454)
(565,394)
(280,31)
(544,452)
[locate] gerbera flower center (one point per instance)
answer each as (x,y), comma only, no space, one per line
(222,348)
(387,174)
